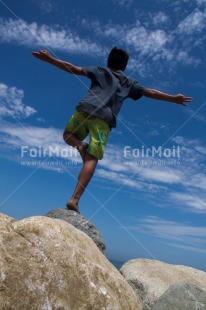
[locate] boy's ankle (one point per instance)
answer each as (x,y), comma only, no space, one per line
(75,197)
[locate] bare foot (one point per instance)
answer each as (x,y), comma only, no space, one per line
(82,150)
(72,204)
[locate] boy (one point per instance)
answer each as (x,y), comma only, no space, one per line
(96,113)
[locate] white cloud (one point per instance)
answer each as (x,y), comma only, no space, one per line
(157,42)
(187,235)
(32,136)
(151,173)
(145,41)
(33,146)
(201,149)
(159,18)
(193,24)
(200,2)
(129,179)
(186,247)
(183,5)
(160,45)
(119,178)
(47,6)
(186,142)
(123,3)
(183,57)
(11,103)
(179,140)
(198,181)
(197,116)
(162,175)
(141,38)
(195,203)
(34,35)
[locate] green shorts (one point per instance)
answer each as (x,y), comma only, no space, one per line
(82,124)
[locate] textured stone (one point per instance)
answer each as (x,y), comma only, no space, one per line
(150,279)
(80,222)
(48,264)
(182,296)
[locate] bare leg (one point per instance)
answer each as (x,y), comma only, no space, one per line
(83,180)
(72,140)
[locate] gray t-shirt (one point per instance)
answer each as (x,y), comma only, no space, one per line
(107,92)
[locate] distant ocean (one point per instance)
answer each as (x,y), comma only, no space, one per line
(116,264)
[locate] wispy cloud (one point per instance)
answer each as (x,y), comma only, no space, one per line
(199,2)
(123,3)
(201,149)
(171,176)
(162,44)
(159,18)
(194,24)
(55,37)
(47,6)
(188,4)
(197,116)
(186,247)
(33,146)
(189,237)
(158,40)
(192,201)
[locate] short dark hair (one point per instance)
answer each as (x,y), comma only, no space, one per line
(117,59)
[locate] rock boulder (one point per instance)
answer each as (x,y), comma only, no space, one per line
(150,279)
(182,296)
(49,264)
(80,222)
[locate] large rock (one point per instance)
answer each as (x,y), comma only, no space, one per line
(182,296)
(150,279)
(48,264)
(80,222)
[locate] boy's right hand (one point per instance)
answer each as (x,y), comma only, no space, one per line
(42,55)
(181,99)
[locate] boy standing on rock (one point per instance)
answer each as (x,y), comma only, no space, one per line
(96,113)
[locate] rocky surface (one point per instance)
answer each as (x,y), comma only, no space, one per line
(182,296)
(150,279)
(49,264)
(80,222)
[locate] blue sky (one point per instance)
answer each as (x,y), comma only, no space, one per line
(147,196)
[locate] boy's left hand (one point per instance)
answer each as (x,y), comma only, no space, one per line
(181,99)
(42,55)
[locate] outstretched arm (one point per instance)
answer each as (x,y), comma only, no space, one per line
(156,94)
(66,66)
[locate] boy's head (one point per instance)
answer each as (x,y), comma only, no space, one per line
(117,59)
